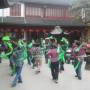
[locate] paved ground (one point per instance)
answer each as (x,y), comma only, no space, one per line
(43,81)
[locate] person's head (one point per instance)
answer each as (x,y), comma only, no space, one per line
(36,44)
(53,46)
(6,39)
(20,43)
(78,43)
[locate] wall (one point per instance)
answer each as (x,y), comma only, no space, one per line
(5,12)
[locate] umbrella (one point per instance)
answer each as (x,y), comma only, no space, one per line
(57,30)
(58,33)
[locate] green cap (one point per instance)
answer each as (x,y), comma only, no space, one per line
(6,38)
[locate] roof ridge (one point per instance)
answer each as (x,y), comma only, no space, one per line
(56,2)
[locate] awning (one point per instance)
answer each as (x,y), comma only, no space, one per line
(40,22)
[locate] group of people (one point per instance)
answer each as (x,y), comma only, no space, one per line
(54,52)
(16,53)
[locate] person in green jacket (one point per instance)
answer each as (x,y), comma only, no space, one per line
(18,57)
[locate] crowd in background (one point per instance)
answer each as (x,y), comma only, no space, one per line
(33,51)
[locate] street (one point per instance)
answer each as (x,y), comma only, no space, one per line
(43,80)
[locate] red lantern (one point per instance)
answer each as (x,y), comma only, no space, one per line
(37,31)
(1,30)
(8,30)
(15,30)
(30,30)
(44,31)
(22,30)
(66,31)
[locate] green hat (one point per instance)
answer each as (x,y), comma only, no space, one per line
(6,38)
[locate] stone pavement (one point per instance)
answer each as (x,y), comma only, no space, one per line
(43,81)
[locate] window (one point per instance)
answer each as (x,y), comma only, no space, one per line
(15,10)
(34,11)
(53,12)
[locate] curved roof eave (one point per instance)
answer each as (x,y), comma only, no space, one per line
(53,2)
(4,4)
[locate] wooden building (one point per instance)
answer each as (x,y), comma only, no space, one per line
(37,18)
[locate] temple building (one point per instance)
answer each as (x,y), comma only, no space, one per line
(37,18)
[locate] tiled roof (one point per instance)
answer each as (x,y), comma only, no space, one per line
(59,2)
(39,22)
(3,3)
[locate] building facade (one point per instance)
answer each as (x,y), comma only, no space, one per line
(29,19)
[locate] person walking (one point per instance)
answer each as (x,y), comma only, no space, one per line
(37,53)
(78,54)
(17,59)
(53,55)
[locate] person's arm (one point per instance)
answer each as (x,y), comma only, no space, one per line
(49,54)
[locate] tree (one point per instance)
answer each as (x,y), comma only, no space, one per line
(81,9)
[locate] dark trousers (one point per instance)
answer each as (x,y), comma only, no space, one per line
(29,58)
(10,61)
(33,62)
(0,60)
(46,58)
(78,70)
(55,70)
(61,66)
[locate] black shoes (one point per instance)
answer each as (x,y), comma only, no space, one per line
(37,72)
(13,85)
(19,81)
(78,77)
(55,80)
